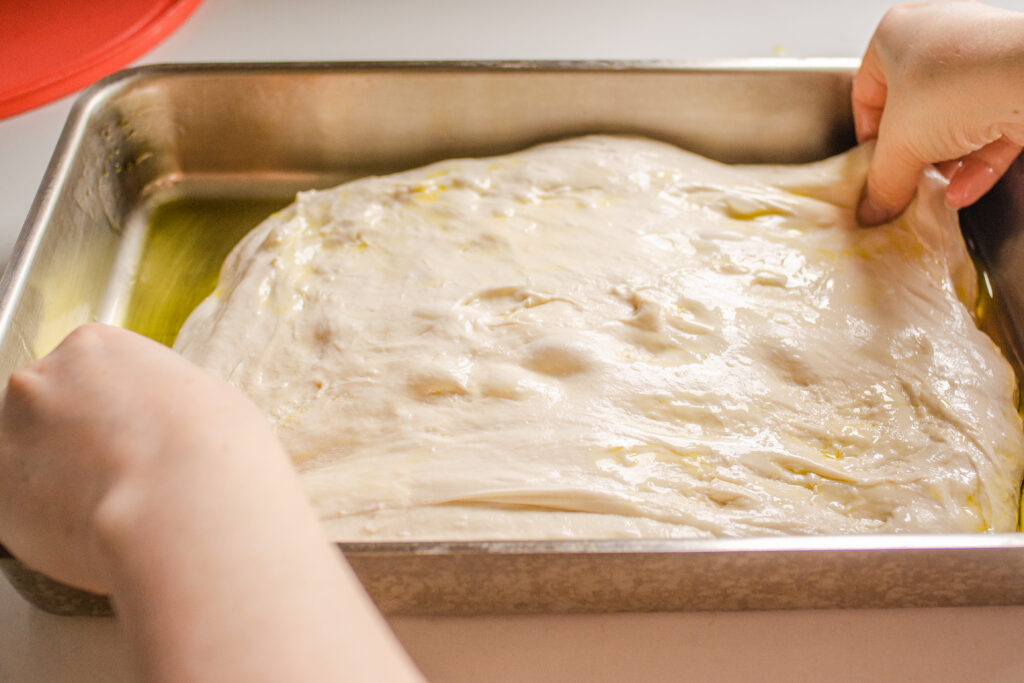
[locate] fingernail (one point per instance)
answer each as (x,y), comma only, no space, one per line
(870,213)
(956,197)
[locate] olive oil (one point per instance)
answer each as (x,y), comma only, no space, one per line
(990,315)
(185,243)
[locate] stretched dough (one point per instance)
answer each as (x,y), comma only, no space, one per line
(612,337)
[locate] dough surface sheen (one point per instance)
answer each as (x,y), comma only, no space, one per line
(610,337)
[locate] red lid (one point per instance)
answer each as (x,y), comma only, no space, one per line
(53,47)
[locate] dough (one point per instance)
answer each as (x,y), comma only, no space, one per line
(611,337)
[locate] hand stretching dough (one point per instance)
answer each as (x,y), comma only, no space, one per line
(611,337)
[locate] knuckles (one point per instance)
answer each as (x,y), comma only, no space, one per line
(27,384)
(24,384)
(89,337)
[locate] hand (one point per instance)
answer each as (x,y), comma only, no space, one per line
(941,83)
(83,425)
(125,469)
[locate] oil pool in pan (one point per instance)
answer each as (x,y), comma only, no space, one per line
(187,240)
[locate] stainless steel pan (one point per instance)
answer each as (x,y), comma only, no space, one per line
(149,137)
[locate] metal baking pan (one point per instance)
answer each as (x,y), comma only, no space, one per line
(174,141)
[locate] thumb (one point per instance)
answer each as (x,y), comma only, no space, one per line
(977,172)
(892,181)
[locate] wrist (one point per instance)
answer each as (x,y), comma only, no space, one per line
(190,500)
(139,519)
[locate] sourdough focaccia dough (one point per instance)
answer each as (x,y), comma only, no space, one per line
(611,337)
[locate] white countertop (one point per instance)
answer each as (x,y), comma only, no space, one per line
(978,644)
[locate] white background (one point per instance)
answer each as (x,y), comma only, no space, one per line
(852,645)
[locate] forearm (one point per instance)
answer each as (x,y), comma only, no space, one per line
(235,582)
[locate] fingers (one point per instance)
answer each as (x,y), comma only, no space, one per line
(891,184)
(892,178)
(868,96)
(894,174)
(976,173)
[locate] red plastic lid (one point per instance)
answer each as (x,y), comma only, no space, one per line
(53,47)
